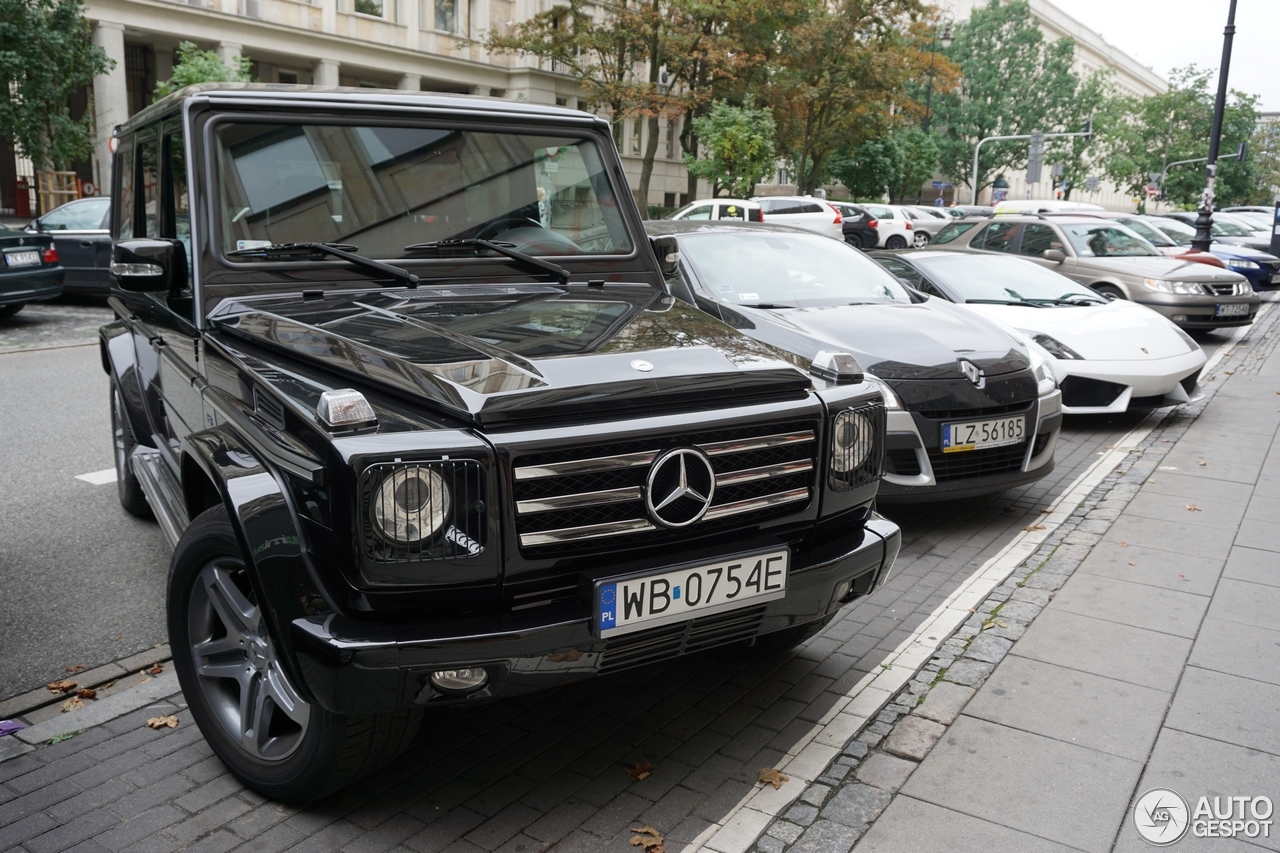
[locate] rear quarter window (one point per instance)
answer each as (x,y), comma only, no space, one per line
(952,231)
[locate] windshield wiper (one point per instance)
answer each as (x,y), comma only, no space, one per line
(1006,302)
(1074,299)
(337,250)
(766,305)
(529,262)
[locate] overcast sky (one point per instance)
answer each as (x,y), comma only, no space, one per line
(1166,34)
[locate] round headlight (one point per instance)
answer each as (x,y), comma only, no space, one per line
(851,441)
(411,504)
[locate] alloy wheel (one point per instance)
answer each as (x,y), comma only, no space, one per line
(921,240)
(238,668)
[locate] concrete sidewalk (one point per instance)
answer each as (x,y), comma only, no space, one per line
(1156,665)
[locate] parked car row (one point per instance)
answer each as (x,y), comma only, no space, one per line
(29,270)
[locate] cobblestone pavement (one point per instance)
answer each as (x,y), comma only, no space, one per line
(546,771)
(67,321)
(1006,798)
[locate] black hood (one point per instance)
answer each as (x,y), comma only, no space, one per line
(491,354)
(895,342)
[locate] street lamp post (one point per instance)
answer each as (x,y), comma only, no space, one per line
(1204,220)
(946,40)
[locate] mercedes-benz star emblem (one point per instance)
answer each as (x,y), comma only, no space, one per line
(971,372)
(680,487)
(641,365)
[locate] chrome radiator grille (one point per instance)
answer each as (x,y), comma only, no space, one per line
(592,498)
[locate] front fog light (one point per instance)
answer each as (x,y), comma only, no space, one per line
(411,504)
(459,680)
(852,437)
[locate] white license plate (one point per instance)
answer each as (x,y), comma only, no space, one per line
(631,604)
(21,259)
(1239,309)
(1275,278)
(976,435)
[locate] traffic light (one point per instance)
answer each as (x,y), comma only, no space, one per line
(1242,152)
(1087,130)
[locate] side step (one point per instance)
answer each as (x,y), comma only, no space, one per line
(163,492)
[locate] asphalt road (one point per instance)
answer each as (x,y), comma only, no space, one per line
(83,582)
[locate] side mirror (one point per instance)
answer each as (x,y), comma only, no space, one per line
(1055,255)
(668,252)
(34,225)
(149,266)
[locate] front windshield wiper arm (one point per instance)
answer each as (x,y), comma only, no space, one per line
(337,250)
(1074,299)
(766,305)
(506,249)
(1006,302)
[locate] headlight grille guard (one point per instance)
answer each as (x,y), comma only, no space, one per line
(870,416)
(463,533)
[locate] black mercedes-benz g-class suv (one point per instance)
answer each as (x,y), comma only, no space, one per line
(399,377)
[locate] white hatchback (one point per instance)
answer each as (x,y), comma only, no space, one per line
(720,208)
(893,226)
(802,211)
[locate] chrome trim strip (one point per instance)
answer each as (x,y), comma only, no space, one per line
(764,472)
(554,502)
(586,466)
(720,448)
(739,507)
(590,531)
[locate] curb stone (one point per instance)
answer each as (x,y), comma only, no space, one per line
(943,686)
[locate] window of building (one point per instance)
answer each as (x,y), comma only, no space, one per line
(448,15)
(290,77)
(671,140)
(561,102)
(637,130)
(368,7)
(668,199)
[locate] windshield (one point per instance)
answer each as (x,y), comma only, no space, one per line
(1177,230)
(382,188)
(791,270)
(1153,235)
(1224,227)
(1107,241)
(995,278)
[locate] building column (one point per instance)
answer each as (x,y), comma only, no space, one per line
(411,82)
(409,16)
(110,99)
(329,15)
(482,91)
(229,53)
(324,72)
(164,64)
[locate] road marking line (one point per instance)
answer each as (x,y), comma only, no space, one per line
(99,478)
(806,760)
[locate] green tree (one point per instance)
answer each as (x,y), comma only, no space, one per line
(46,55)
(1094,101)
(1175,125)
(919,158)
(739,147)
(870,169)
(202,66)
(1014,82)
(1264,149)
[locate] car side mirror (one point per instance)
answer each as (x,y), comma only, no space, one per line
(148,265)
(34,225)
(668,252)
(1055,255)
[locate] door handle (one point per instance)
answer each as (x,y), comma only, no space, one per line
(88,244)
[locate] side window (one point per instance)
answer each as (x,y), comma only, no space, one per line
(882,213)
(177,204)
(702,211)
(1037,238)
(149,178)
(126,193)
(999,237)
(76,216)
(731,211)
(809,207)
(902,270)
(954,230)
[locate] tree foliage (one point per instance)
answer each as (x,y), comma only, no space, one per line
(738,145)
(1175,125)
(896,164)
(46,55)
(202,66)
(1014,82)
(1264,150)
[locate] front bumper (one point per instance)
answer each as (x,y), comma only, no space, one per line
(913,436)
(1198,312)
(1088,386)
(357,667)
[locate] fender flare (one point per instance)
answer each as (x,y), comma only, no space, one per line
(261,511)
(120,362)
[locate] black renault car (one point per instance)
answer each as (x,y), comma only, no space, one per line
(29,270)
(970,410)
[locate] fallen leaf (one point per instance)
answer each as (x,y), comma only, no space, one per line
(1111,447)
(648,838)
(641,770)
(170,721)
(987,624)
(76,667)
(1045,511)
(1034,527)
(86,693)
(770,776)
(72,704)
(1123,544)
(118,636)
(1193,508)
(563,657)
(1002,623)
(1132,563)
(157,669)
(1201,463)
(1229,372)
(61,686)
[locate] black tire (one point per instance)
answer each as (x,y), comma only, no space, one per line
(298,751)
(854,240)
(1109,290)
(7,311)
(897,241)
(127,486)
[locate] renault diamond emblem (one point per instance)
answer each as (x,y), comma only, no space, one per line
(641,365)
(972,372)
(679,488)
